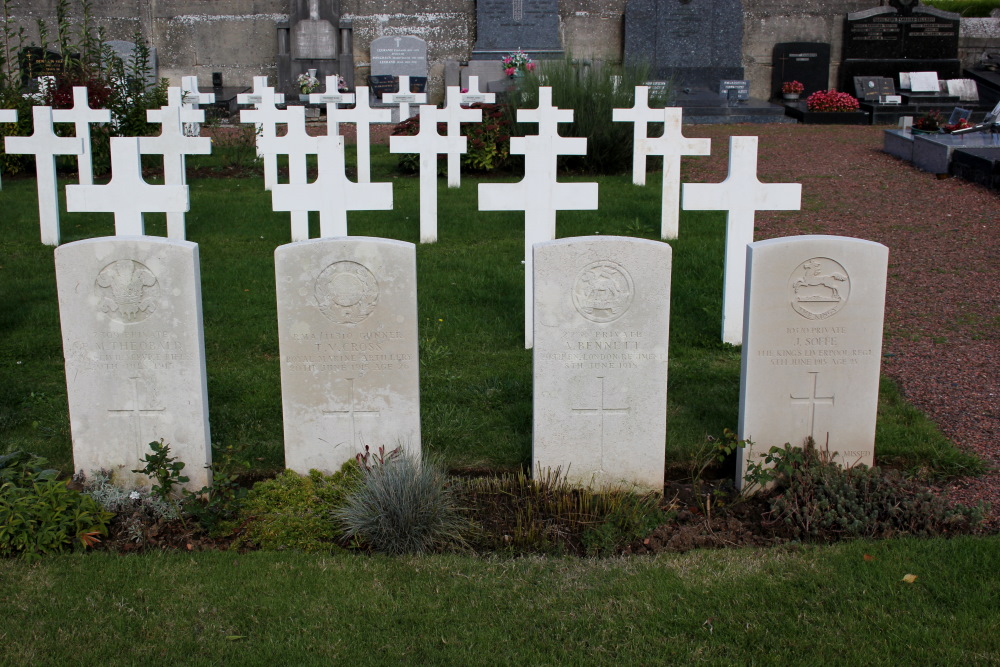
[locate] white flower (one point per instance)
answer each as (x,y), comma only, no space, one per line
(135,495)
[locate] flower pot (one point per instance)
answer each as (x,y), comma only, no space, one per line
(790,96)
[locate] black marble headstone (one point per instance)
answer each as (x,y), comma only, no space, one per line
(503,26)
(694,42)
(805,62)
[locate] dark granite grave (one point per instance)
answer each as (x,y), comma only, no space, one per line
(805,62)
(313,38)
(503,26)
(978,165)
(902,37)
(696,43)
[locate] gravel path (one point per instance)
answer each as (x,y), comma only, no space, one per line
(942,329)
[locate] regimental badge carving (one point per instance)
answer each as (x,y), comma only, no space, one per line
(603,291)
(127,290)
(819,288)
(346,292)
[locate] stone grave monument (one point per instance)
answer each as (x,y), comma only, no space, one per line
(505,26)
(134,348)
(805,62)
(602,316)
(347,333)
(311,39)
(813,346)
(392,59)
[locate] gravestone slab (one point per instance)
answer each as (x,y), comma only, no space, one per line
(965,90)
(503,26)
(695,43)
(812,346)
(978,165)
(932,152)
(134,348)
(898,143)
(805,62)
(396,56)
(347,334)
(313,36)
(602,315)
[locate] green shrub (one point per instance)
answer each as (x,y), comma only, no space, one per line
(292,511)
(967,8)
(403,506)
(816,498)
(134,508)
(487,148)
(592,93)
(42,515)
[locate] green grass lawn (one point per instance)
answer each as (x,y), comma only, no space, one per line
(475,374)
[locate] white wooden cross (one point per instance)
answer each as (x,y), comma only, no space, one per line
(173,145)
(296,144)
(741,195)
(265,117)
(454,116)
(127,195)
(474,96)
(428,144)
(404,98)
(672,145)
(81,115)
(192,98)
(332,98)
(363,115)
(538,194)
(8,116)
(332,194)
(45,145)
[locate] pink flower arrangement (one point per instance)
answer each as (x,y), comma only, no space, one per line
(792,87)
(831,100)
(517,61)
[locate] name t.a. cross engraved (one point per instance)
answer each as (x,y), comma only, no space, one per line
(517,12)
(351,412)
(135,414)
(812,401)
(601,411)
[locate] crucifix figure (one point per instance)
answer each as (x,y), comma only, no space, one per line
(428,143)
(539,194)
(672,145)
(135,414)
(265,117)
(81,115)
(600,411)
(741,195)
(45,145)
(811,402)
(127,195)
(352,412)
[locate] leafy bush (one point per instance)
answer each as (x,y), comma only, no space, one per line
(133,508)
(293,511)
(487,148)
(403,506)
(816,498)
(967,8)
(592,93)
(40,514)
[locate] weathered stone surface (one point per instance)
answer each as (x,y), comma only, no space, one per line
(812,346)
(130,309)
(509,25)
(347,332)
(602,313)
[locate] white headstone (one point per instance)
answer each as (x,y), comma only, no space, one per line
(428,144)
(813,347)
(296,144)
(539,194)
(45,145)
(404,98)
(81,115)
(602,315)
(671,145)
(363,115)
(924,82)
(347,333)
(127,195)
(130,309)
(454,116)
(965,89)
(741,195)
(8,116)
(265,116)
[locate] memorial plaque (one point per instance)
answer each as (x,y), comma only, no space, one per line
(868,88)
(805,62)
(313,37)
(738,89)
(405,55)
(695,43)
(503,26)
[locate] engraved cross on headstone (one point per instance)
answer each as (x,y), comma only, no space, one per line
(265,117)
(812,401)
(601,410)
(539,194)
(671,145)
(127,195)
(741,195)
(428,144)
(135,414)
(404,98)
(363,115)
(352,411)
(454,116)
(8,116)
(81,115)
(45,145)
